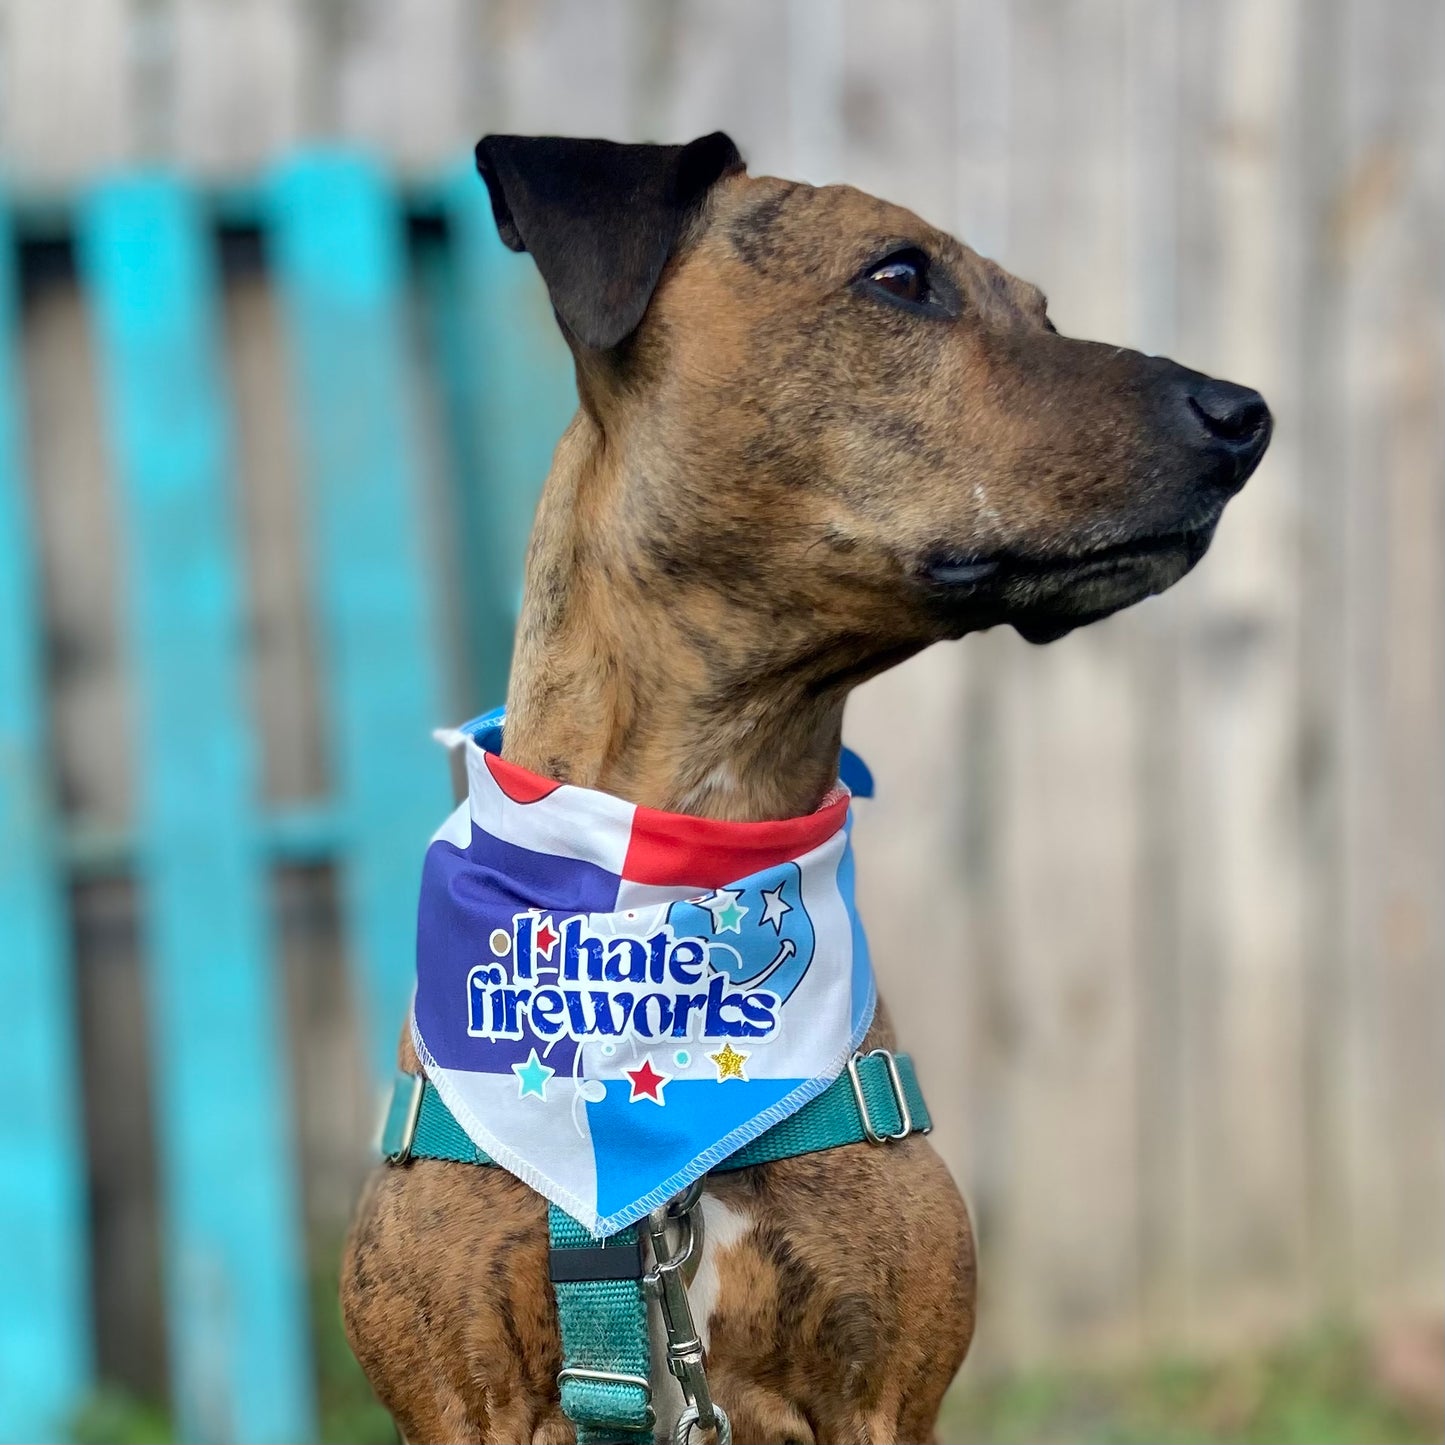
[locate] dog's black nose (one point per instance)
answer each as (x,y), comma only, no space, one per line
(1235,420)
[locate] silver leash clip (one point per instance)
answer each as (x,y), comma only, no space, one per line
(675,1262)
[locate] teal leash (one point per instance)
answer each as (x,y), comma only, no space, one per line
(604,1382)
(602,1285)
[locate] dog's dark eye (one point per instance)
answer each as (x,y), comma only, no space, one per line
(903,276)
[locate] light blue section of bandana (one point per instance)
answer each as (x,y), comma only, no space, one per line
(647,1152)
(863,984)
(635,1149)
(756,953)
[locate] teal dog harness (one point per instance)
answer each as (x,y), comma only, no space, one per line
(613,1002)
(602,1285)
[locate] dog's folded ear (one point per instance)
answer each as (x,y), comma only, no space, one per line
(600,219)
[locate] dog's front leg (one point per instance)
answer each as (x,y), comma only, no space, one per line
(843,1296)
(448,1307)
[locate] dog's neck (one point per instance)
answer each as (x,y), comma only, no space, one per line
(626,682)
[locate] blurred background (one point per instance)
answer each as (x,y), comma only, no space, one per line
(1158,908)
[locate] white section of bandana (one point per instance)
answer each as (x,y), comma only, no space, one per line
(569,822)
(489,1108)
(457,830)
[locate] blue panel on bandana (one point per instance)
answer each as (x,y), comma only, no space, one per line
(486,729)
(862,963)
(486,885)
(638,1144)
(856,775)
(766,940)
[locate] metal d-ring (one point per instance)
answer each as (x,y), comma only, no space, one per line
(689,1417)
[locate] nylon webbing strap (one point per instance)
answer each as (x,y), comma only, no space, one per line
(825,1122)
(604,1379)
(833,1117)
(601,1306)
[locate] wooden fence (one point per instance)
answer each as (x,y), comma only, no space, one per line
(199,842)
(1159,907)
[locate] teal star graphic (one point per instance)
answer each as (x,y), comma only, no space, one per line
(727,913)
(533,1076)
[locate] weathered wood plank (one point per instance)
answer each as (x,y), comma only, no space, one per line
(1411,434)
(909,838)
(284,648)
(899,151)
(45,1345)
(1152,59)
(67,106)
(1351,1169)
(1187,1201)
(301,831)
(564,67)
(236,1305)
(510,393)
(982,154)
(813,34)
(75,514)
(393,78)
(1067,1257)
(1242,860)
(731,68)
(1387,244)
(238,77)
(982,50)
(336,243)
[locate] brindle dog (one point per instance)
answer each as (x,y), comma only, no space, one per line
(815,436)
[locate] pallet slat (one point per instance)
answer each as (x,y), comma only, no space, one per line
(509,383)
(338,259)
(45,1351)
(235,1307)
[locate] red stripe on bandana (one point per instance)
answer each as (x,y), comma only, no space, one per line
(671,848)
(520,785)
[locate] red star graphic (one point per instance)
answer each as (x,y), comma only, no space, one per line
(545,937)
(647,1083)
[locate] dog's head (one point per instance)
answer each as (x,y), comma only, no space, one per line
(843,418)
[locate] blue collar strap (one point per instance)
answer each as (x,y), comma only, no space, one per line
(599,1284)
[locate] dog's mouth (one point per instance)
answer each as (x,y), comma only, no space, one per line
(1043,595)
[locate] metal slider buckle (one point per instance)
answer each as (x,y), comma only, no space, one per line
(900,1098)
(611,1377)
(402,1150)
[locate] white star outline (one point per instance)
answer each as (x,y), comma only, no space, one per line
(722,900)
(774,907)
(544,921)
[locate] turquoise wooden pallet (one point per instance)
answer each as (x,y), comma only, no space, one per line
(201,843)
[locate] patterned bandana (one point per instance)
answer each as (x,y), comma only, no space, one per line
(611,999)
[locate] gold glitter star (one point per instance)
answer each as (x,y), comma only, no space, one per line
(729,1063)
